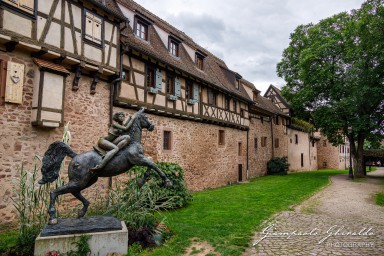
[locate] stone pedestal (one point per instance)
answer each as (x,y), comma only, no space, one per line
(61,237)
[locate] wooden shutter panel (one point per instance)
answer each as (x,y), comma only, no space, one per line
(3,80)
(177,87)
(27,5)
(195,92)
(15,82)
(97,25)
(88,26)
(159,80)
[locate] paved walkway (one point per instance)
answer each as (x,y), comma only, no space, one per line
(342,219)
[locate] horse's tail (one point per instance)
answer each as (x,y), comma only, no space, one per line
(52,160)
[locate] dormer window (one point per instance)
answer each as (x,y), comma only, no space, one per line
(93,28)
(237,82)
(25,6)
(173,47)
(199,59)
(141,28)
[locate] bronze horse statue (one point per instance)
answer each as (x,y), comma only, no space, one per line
(80,176)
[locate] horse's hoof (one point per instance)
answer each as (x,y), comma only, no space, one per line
(52,221)
(168,183)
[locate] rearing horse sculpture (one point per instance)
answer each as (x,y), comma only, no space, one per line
(79,173)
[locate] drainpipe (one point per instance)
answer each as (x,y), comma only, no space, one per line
(247,153)
(273,151)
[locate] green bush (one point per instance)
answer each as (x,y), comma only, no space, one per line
(181,196)
(278,166)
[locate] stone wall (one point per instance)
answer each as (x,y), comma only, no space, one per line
(327,155)
(303,146)
(195,148)
(20,141)
(259,154)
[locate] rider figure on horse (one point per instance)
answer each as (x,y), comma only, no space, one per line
(114,141)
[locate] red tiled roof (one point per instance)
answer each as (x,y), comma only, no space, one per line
(155,48)
(50,66)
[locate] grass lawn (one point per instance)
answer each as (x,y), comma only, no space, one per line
(379,199)
(7,240)
(227,217)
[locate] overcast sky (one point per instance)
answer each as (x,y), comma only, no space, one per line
(249,35)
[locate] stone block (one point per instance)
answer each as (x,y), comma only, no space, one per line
(101,243)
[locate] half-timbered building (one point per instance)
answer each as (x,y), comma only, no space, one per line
(58,59)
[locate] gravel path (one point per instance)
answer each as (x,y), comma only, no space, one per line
(342,219)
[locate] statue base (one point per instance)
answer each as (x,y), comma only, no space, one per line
(103,239)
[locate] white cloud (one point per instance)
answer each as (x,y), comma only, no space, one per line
(249,36)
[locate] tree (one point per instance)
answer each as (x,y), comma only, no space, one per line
(334,70)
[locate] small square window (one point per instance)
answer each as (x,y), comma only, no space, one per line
(167,140)
(237,84)
(126,75)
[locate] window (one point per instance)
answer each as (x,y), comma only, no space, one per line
(313,143)
(167,140)
(234,106)
(189,90)
(296,139)
(3,79)
(173,47)
(242,113)
(226,102)
(237,84)
(141,29)
(255,143)
(239,149)
(302,160)
(277,143)
(199,61)
(93,28)
(212,97)
(126,75)
(170,84)
(325,164)
(277,120)
(263,142)
(151,82)
(221,137)
(23,5)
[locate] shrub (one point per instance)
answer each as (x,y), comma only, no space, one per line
(181,196)
(278,166)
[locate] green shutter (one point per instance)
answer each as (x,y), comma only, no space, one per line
(159,80)
(195,92)
(177,87)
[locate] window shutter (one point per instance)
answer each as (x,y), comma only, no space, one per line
(13,2)
(97,24)
(15,81)
(195,92)
(27,5)
(88,26)
(177,87)
(159,80)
